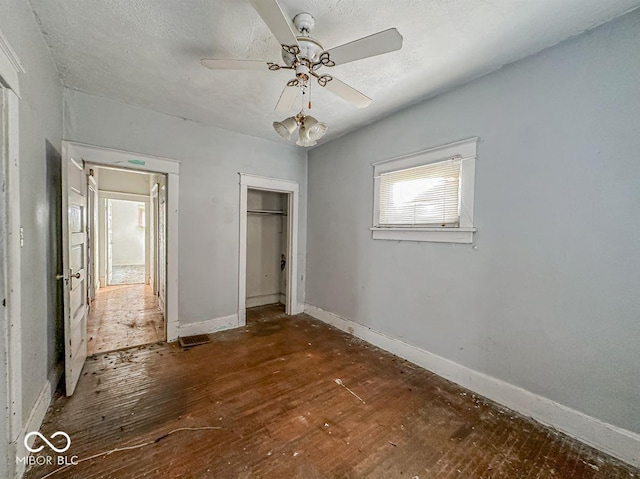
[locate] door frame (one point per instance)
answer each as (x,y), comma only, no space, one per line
(105,196)
(153,240)
(11,314)
(292,189)
(103,156)
(92,242)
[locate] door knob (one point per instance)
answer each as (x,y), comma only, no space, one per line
(77,275)
(59,276)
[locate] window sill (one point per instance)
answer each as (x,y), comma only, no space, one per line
(437,235)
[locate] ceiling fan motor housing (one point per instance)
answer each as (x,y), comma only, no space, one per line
(310,49)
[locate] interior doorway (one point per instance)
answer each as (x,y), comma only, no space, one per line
(285,206)
(79,162)
(128,258)
(127,307)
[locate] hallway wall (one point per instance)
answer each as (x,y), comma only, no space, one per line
(123,181)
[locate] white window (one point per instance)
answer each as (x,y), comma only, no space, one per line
(426,196)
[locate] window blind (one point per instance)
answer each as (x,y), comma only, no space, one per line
(427,195)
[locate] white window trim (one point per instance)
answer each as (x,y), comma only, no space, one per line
(463,149)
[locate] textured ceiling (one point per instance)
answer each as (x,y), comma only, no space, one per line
(147,52)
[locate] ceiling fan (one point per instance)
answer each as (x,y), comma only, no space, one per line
(306,56)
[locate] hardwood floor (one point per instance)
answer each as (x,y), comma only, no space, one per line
(123,316)
(271,390)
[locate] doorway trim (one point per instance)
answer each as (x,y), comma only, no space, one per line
(292,189)
(11,313)
(99,155)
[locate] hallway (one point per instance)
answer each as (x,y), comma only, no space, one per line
(123,316)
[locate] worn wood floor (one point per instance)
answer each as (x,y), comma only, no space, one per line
(268,394)
(123,316)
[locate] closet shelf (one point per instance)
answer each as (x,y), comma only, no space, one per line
(267,212)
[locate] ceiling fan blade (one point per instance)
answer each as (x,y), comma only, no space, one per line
(347,93)
(287,98)
(275,19)
(376,44)
(214,64)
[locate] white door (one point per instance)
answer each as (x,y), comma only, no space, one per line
(109,265)
(74,262)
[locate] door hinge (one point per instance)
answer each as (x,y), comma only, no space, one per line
(4,301)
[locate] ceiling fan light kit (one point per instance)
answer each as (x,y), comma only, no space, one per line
(305,56)
(310,129)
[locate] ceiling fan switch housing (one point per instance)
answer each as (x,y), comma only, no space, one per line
(304,22)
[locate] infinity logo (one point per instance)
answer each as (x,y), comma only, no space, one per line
(55,434)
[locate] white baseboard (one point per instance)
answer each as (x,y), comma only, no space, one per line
(262,299)
(616,441)
(36,416)
(209,326)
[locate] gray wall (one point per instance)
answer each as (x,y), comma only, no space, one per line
(550,300)
(40,133)
(209,190)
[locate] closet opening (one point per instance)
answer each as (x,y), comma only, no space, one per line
(267,246)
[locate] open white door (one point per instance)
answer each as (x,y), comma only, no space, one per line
(74,262)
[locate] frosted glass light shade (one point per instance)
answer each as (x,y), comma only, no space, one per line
(311,130)
(285,128)
(303,138)
(315,129)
